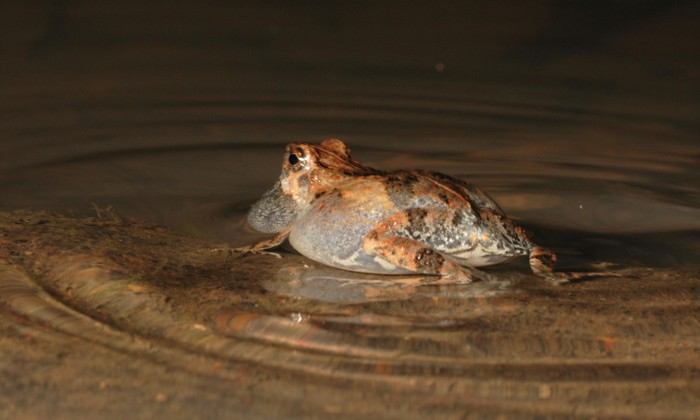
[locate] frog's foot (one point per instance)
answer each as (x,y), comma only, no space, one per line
(259,248)
(542,261)
(414,256)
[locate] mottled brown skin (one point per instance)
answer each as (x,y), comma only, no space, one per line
(339,212)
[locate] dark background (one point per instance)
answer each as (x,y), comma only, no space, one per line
(58,53)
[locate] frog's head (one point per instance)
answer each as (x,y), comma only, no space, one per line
(308,170)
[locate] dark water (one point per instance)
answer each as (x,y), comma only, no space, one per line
(583,126)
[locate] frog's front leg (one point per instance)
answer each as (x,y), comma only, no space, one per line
(390,241)
(262,246)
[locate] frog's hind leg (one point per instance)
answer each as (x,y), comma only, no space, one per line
(414,256)
(389,242)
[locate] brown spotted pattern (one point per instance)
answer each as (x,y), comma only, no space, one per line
(339,212)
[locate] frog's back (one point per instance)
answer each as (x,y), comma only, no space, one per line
(448,220)
(466,223)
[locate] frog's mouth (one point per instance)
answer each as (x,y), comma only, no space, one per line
(274,212)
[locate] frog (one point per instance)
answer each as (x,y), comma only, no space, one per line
(339,212)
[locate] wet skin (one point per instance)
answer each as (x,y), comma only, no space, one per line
(338,212)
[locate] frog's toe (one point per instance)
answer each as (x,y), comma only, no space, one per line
(219,249)
(274,254)
(556,279)
(560,278)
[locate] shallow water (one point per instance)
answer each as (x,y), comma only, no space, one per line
(599,162)
(404,346)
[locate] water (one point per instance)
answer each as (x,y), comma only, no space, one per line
(599,162)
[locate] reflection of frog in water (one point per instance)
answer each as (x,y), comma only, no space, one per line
(339,212)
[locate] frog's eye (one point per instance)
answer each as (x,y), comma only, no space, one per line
(293,159)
